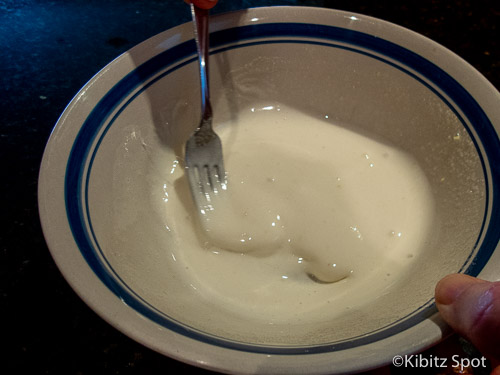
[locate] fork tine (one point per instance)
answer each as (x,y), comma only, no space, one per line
(199,191)
(220,178)
(206,181)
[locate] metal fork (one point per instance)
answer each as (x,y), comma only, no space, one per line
(203,153)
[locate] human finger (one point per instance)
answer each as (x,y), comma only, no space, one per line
(472,308)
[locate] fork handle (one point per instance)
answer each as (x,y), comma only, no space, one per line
(200,20)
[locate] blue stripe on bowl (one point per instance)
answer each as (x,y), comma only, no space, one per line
(92,133)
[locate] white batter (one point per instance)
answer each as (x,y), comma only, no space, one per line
(315,214)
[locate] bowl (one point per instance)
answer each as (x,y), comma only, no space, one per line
(387,140)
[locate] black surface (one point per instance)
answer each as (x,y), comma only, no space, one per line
(48,51)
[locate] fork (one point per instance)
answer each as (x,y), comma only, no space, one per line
(203,152)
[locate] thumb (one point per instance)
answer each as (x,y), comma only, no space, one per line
(472,308)
(203,4)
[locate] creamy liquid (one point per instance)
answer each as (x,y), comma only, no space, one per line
(315,215)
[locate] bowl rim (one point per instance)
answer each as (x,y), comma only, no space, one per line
(54,176)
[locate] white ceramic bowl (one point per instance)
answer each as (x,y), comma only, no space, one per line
(367,74)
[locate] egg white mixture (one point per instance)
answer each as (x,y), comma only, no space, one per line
(315,214)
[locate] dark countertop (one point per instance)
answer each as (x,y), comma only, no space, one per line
(49,50)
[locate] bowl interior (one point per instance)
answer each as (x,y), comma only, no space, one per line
(138,206)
